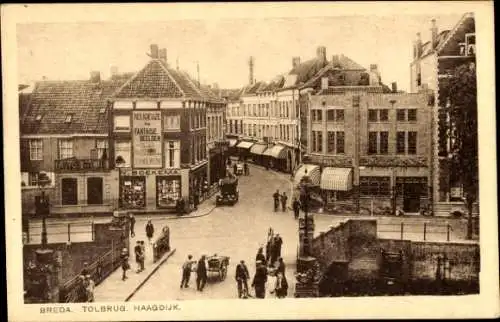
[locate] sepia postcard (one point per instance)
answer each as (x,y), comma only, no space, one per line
(267,160)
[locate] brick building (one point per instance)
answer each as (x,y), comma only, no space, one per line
(432,66)
(64,133)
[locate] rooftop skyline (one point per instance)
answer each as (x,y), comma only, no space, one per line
(222,47)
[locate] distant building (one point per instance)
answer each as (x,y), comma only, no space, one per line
(432,66)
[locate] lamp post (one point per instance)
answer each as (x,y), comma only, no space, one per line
(43,206)
(119,162)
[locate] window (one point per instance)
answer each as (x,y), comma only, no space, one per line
(133,192)
(122,152)
(172,122)
(94,191)
(419,79)
(33,179)
(412,115)
(320,141)
(122,122)
(69,191)
(330,144)
(330,115)
(102,148)
(317,115)
(412,142)
(384,143)
(401,115)
(400,143)
(324,82)
(340,143)
(68,118)
(102,110)
(172,154)
(372,115)
(36,149)
(384,115)
(375,186)
(168,191)
(372,143)
(339,115)
(65,149)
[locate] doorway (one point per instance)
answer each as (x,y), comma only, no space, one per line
(411,197)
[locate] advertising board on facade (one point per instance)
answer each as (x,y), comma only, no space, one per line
(147,139)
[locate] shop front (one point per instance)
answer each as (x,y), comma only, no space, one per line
(278,156)
(217,165)
(244,149)
(197,176)
(257,151)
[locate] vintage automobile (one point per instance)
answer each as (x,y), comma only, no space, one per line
(228,192)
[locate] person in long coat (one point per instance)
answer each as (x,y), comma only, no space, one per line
(150,230)
(125,263)
(260,256)
(296,207)
(242,275)
(260,280)
(278,242)
(276,198)
(201,274)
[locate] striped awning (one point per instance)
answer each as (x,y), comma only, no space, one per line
(244,145)
(277,152)
(311,170)
(232,142)
(336,179)
(258,148)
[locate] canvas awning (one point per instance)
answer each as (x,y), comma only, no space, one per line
(277,152)
(232,142)
(311,170)
(336,179)
(258,148)
(245,145)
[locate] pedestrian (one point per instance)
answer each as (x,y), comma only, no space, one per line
(89,288)
(138,256)
(260,256)
(284,198)
(186,271)
(246,168)
(81,291)
(201,274)
(131,219)
(180,206)
(242,277)
(276,197)
(281,286)
(125,263)
(235,169)
(205,189)
(260,280)
(278,242)
(296,207)
(143,258)
(150,230)
(281,266)
(85,270)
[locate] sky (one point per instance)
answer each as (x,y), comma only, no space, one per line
(68,51)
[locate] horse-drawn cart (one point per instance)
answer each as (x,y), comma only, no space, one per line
(218,264)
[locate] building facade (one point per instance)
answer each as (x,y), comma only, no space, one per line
(64,134)
(433,64)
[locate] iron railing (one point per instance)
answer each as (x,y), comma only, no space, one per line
(426,231)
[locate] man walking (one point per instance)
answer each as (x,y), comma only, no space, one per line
(260,280)
(138,256)
(296,207)
(276,197)
(284,199)
(132,224)
(246,169)
(201,274)
(186,271)
(278,242)
(242,277)
(150,230)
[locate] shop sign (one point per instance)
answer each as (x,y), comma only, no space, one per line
(147,139)
(156,172)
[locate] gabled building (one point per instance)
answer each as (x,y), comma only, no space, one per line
(64,127)
(433,64)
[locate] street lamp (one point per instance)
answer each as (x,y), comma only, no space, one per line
(119,162)
(43,205)
(305,185)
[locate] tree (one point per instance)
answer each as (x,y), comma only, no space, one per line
(462,98)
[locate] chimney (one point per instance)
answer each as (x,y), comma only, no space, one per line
(95,77)
(114,71)
(434,33)
(374,75)
(250,71)
(295,61)
(321,53)
(163,55)
(418,45)
(154,51)
(394,87)
(374,68)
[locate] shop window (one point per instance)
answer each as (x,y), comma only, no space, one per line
(400,143)
(36,149)
(133,192)
(374,186)
(122,122)
(123,153)
(69,191)
(412,142)
(65,149)
(94,191)
(168,191)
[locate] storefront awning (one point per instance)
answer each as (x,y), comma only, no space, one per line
(245,145)
(277,152)
(337,179)
(311,170)
(258,149)
(232,142)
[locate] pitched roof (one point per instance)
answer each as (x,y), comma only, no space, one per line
(274,84)
(444,39)
(253,88)
(231,94)
(52,101)
(307,69)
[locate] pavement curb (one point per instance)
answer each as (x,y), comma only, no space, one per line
(193,216)
(150,274)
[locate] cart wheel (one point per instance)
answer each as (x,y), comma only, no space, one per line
(223,273)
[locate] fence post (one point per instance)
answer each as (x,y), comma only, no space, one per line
(69,232)
(425,229)
(448,232)
(402,230)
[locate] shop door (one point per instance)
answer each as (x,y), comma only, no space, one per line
(69,191)
(411,198)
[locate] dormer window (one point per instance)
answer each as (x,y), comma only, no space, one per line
(470,40)
(68,118)
(38,118)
